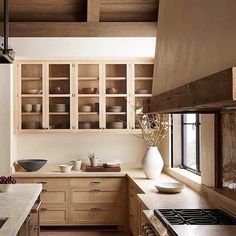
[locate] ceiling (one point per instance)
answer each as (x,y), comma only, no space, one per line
(82,11)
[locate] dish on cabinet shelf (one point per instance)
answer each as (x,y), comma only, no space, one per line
(85,125)
(114,108)
(31,125)
(86,108)
(89,90)
(111,91)
(143,91)
(33,91)
(170,187)
(115,125)
(59,107)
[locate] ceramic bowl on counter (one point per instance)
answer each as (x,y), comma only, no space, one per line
(85,125)
(115,125)
(143,91)
(170,187)
(4,188)
(65,168)
(32,164)
(114,108)
(85,108)
(89,90)
(111,91)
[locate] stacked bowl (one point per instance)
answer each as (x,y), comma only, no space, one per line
(59,107)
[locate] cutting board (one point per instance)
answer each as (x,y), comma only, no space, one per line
(102,169)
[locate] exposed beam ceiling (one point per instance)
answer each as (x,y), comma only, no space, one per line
(82,18)
(82,29)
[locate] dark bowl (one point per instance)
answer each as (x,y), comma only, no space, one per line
(32,164)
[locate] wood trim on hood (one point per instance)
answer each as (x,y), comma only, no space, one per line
(208,94)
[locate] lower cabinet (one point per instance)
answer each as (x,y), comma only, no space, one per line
(80,201)
(95,215)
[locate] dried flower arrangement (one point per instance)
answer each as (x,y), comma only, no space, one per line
(154,127)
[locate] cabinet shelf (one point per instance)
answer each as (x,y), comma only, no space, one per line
(87,113)
(59,95)
(143,95)
(116,95)
(58,78)
(88,95)
(144,78)
(115,113)
(115,78)
(31,113)
(30,78)
(31,95)
(88,78)
(59,113)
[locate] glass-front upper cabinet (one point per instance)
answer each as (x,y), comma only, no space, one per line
(59,96)
(88,95)
(30,96)
(116,87)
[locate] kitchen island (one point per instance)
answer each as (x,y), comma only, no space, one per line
(16,205)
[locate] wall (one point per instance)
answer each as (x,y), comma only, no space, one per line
(195,39)
(7,139)
(59,148)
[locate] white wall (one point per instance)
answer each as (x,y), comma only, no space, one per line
(7,139)
(58,148)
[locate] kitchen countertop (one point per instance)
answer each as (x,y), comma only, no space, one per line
(151,198)
(16,205)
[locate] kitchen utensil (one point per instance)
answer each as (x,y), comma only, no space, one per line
(32,164)
(36,107)
(111,91)
(115,125)
(86,108)
(143,91)
(27,107)
(65,168)
(77,164)
(170,187)
(114,108)
(89,90)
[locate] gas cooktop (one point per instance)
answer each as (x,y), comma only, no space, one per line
(195,217)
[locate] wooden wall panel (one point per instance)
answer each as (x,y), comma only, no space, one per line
(195,39)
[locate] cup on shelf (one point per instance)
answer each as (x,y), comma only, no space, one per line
(36,107)
(27,107)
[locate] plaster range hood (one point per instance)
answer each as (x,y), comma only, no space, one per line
(206,95)
(7,55)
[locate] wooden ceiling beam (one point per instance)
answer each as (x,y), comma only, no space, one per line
(211,93)
(93,10)
(82,29)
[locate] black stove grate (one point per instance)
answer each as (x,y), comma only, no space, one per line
(195,217)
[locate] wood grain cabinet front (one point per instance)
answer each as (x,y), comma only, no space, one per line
(54,215)
(95,215)
(55,196)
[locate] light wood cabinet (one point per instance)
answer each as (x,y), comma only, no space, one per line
(95,215)
(83,201)
(56,96)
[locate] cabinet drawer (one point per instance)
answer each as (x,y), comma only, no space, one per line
(98,196)
(55,196)
(96,182)
(54,215)
(95,215)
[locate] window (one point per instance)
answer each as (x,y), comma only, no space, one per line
(190,142)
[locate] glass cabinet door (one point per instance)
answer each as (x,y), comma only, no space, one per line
(30,97)
(59,96)
(116,95)
(89,93)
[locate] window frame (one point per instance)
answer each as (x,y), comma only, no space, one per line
(183,158)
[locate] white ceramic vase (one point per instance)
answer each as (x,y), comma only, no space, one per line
(152,163)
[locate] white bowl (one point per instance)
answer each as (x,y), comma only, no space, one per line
(32,91)
(85,108)
(114,108)
(5,188)
(85,125)
(27,107)
(143,91)
(65,168)
(170,187)
(116,125)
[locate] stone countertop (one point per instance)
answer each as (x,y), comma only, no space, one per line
(16,205)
